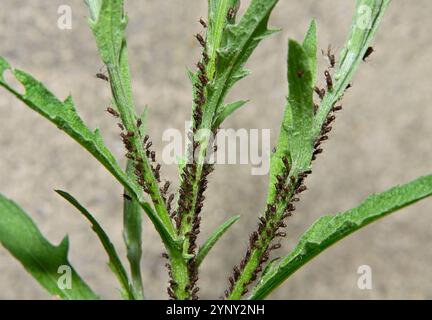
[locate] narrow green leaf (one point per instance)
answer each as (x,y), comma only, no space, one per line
(132,235)
(226,111)
(329,229)
(214,237)
(295,140)
(66,118)
(47,263)
(114,261)
(109,31)
(367,18)
(236,43)
(300,100)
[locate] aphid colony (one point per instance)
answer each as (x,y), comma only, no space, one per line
(288,188)
(191,200)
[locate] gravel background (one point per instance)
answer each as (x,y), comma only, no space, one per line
(381,139)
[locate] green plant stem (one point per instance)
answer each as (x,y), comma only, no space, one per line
(132,233)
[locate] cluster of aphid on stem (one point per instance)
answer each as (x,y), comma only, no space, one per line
(288,187)
(193,182)
(139,162)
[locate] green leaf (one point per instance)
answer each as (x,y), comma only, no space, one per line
(330,229)
(22,238)
(226,111)
(214,237)
(300,100)
(66,118)
(114,261)
(94,8)
(132,235)
(109,31)
(310,47)
(368,16)
(295,140)
(233,47)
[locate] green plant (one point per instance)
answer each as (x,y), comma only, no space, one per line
(227,45)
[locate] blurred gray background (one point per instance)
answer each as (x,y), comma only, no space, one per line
(382,138)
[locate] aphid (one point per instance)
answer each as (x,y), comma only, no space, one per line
(231,14)
(127,197)
(148,145)
(301,189)
(129,156)
(320,92)
(337,108)
(165,187)
(318,151)
(275,246)
(120,126)
(113,112)
(130,134)
(300,73)
(369,51)
(200,39)
(205,57)
(203,79)
(171,198)
(201,67)
(101,76)
(139,123)
(331,57)
(329,80)
(153,156)
(203,23)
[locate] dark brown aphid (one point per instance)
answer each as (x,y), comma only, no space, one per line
(232,12)
(205,57)
(320,92)
(203,23)
(200,39)
(331,57)
(300,73)
(120,126)
(203,79)
(101,76)
(329,80)
(139,123)
(369,51)
(337,108)
(112,112)
(165,187)
(201,67)
(127,197)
